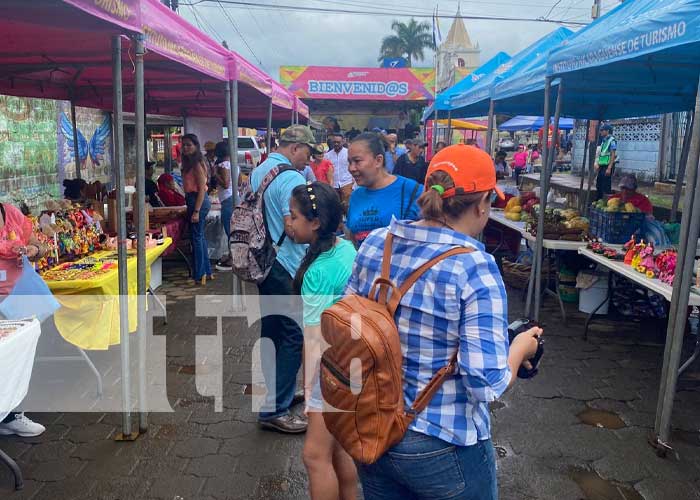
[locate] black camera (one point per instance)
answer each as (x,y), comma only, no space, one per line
(516,328)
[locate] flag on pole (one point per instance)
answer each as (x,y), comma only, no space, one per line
(437,36)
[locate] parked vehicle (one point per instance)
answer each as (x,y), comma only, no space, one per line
(249,154)
(506,144)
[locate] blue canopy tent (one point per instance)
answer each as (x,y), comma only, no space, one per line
(475,101)
(533,122)
(521,90)
(442,100)
(642,59)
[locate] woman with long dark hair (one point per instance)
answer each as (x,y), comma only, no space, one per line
(194,180)
(316,213)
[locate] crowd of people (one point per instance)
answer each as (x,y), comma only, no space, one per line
(459,305)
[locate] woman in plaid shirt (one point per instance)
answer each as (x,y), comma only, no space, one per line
(458,305)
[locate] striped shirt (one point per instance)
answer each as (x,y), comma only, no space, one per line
(460,303)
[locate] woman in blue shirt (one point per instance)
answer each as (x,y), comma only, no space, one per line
(380,196)
(459,305)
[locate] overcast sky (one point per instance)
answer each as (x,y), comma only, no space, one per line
(284,37)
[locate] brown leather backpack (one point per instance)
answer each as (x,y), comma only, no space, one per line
(367,416)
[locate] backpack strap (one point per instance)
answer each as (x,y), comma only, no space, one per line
(410,200)
(267,180)
(384,282)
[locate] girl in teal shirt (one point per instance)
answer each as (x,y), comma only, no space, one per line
(316,213)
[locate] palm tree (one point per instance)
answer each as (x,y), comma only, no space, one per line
(409,41)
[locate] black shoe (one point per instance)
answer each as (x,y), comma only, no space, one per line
(288,424)
(298,398)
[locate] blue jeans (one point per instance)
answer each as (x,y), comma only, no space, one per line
(200,252)
(286,335)
(427,468)
(226,212)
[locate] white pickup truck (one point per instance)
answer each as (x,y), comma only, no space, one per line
(249,154)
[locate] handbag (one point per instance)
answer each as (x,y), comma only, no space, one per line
(42,303)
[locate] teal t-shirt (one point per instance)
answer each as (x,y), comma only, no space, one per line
(277,199)
(325,280)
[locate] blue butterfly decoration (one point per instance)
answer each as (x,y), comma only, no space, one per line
(96,148)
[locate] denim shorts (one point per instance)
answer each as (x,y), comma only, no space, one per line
(425,467)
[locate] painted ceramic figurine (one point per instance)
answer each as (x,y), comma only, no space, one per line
(636,259)
(629,246)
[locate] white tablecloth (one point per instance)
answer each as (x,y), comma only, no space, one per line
(16,363)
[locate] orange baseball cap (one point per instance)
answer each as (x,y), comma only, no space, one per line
(470,168)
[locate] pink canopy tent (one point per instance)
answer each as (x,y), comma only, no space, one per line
(137,55)
(62,50)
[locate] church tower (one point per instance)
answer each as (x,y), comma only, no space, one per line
(457,56)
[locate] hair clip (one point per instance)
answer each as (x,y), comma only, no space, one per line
(312,198)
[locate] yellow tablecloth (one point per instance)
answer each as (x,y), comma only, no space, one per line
(89,313)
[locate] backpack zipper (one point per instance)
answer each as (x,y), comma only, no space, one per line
(335,372)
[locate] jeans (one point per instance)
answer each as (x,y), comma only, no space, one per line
(286,335)
(226,212)
(200,253)
(425,467)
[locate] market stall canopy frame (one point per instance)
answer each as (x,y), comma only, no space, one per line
(639,59)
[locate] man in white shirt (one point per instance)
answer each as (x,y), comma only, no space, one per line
(342,180)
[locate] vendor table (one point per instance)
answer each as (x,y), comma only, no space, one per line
(16,362)
(89,316)
(551,246)
(498,215)
(653,285)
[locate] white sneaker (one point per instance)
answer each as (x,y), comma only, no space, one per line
(21,426)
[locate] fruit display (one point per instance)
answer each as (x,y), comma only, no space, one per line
(561,224)
(520,208)
(513,209)
(615,205)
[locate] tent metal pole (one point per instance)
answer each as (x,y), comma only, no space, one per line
(680,175)
(535,269)
(269,127)
(592,148)
(121,232)
(435,130)
(583,167)
(690,230)
(76,151)
(489,132)
(449,128)
(140,118)
(168,149)
(543,201)
(232,121)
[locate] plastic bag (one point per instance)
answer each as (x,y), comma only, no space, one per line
(653,231)
(42,303)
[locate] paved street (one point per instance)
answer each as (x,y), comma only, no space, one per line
(546,451)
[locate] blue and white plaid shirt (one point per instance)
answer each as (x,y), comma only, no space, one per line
(458,303)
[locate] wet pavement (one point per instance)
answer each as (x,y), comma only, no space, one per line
(577,431)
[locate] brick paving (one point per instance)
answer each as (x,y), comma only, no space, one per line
(545,451)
